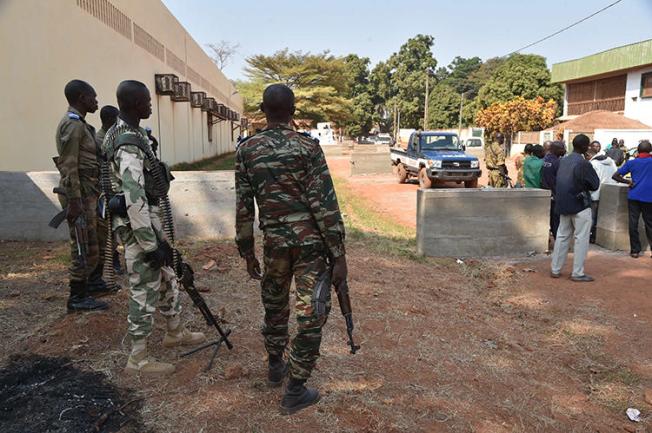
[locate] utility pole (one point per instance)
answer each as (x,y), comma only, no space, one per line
(429,72)
(425,108)
(459,127)
(398,124)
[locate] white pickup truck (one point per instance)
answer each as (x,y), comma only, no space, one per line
(435,157)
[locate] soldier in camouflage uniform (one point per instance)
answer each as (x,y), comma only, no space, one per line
(79,168)
(286,173)
(152,282)
(494,156)
(108,116)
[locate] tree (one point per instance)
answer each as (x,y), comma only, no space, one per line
(222,52)
(356,73)
(524,75)
(519,114)
(460,73)
(408,68)
(443,107)
(315,78)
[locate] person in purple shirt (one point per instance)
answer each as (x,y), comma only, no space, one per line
(549,178)
(640,194)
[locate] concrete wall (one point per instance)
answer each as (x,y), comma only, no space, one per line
(482,222)
(45,44)
(370,163)
(203,204)
(613,219)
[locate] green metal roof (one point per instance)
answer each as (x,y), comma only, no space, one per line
(616,59)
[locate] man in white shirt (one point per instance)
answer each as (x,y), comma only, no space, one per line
(605,167)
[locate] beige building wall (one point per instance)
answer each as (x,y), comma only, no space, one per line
(46,43)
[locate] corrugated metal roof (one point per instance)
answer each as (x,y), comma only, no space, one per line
(616,59)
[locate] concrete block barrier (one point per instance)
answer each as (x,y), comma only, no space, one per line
(613,219)
(370,163)
(482,222)
(336,150)
(370,148)
(203,204)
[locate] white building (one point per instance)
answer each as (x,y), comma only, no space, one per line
(618,80)
(46,43)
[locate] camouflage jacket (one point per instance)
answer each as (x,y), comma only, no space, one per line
(77,160)
(286,173)
(127,165)
(99,139)
(494,155)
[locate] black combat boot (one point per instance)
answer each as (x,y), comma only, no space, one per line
(80,301)
(277,370)
(97,287)
(298,397)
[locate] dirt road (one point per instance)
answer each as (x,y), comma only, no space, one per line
(391,198)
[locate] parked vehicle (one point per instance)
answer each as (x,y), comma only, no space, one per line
(384,138)
(474,142)
(366,140)
(435,157)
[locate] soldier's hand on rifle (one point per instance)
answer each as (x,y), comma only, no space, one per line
(75,209)
(340,271)
(503,170)
(253,268)
(160,256)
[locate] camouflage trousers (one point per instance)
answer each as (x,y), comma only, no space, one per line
(305,264)
(78,272)
(495,179)
(148,288)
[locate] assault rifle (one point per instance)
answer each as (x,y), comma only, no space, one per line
(81,229)
(320,295)
(186,277)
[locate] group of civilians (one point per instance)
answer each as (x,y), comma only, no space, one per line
(574,182)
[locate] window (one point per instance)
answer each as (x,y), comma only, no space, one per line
(646,85)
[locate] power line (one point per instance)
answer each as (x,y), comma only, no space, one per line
(567,27)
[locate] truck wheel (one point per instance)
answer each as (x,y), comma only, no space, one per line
(424,180)
(471,183)
(401,173)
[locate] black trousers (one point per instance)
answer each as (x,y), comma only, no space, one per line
(636,208)
(594,224)
(554,219)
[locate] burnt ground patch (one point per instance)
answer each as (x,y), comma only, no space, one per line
(52,395)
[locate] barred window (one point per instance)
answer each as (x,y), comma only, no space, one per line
(646,85)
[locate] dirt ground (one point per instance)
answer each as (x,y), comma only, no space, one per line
(395,200)
(486,346)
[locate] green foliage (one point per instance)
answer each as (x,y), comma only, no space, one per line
(443,107)
(356,73)
(524,75)
(315,78)
(460,73)
(407,70)
(343,89)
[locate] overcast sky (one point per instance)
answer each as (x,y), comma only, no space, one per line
(376,29)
